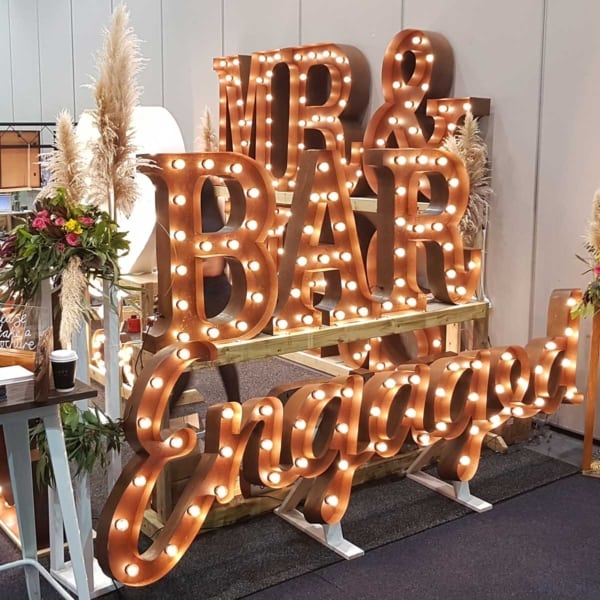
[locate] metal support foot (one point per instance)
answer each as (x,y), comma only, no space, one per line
(330,536)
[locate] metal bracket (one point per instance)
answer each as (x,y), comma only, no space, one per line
(330,536)
(458,491)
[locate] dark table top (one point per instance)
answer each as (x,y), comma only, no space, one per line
(20,396)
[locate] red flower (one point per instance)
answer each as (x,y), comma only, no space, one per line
(60,221)
(39,223)
(60,246)
(72,239)
(87,221)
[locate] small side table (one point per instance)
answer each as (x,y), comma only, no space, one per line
(15,413)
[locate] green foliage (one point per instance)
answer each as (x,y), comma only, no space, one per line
(590,301)
(90,436)
(55,232)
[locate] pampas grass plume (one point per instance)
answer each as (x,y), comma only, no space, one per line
(72,301)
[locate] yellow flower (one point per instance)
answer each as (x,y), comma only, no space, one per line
(73,226)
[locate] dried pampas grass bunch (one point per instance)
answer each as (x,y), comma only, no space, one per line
(208,140)
(116,93)
(73,295)
(593,233)
(65,164)
(470,147)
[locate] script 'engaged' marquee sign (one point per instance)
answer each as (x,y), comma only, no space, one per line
(324,432)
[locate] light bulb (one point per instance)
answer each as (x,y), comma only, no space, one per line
(274,477)
(267,445)
(144,423)
(176,442)
(227,413)
(226,451)
(221,491)
(132,569)
(183,354)
(156,382)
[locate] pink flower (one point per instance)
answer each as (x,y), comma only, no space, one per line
(87,221)
(597,270)
(44,214)
(39,223)
(60,221)
(72,239)
(60,246)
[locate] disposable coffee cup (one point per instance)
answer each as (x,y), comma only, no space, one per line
(63,369)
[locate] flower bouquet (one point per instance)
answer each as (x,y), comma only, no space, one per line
(56,232)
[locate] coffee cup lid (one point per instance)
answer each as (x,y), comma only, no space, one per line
(63,355)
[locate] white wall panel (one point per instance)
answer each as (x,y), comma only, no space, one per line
(24,51)
(497,50)
(146,21)
(56,58)
(369,26)
(259,25)
(6,95)
(569,171)
(191,38)
(90,18)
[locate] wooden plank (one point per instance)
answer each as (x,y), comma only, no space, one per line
(265,346)
(241,508)
(328,365)
(590,397)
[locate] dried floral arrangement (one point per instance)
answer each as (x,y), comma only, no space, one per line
(590,302)
(70,237)
(468,144)
(208,141)
(116,93)
(66,242)
(72,234)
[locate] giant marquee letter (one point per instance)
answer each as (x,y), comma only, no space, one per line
(417,66)
(321,266)
(182,246)
(277,103)
(403,174)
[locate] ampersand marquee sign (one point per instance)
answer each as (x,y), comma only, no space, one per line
(289,121)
